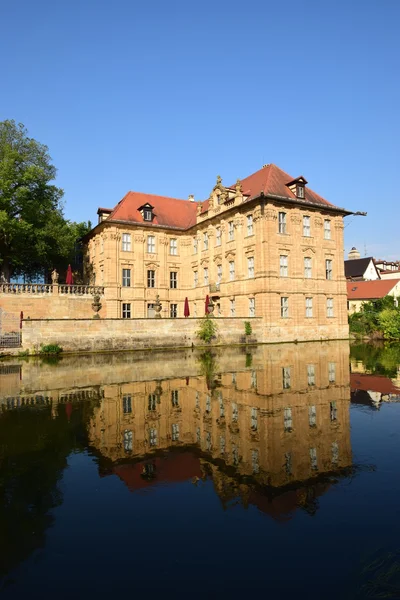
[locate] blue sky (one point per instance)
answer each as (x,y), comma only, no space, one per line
(163,96)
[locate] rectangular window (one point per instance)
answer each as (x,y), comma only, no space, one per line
(287,419)
(282,222)
(254,379)
(310,374)
(250,266)
(147,214)
(333,411)
(205,272)
(332,372)
(219,273)
(175,398)
(327,229)
(329,307)
(175,432)
(151,279)
(218,236)
(128,437)
(126,242)
(173,311)
(313,458)
(126,311)
(283,265)
(126,278)
(205,240)
(231,231)
(231,270)
(252,307)
(195,245)
(307,267)
(309,307)
(249,224)
(335,452)
(232,307)
(328,269)
(173,280)
(173,247)
(286,378)
(306,226)
(235,412)
(253,419)
(195,278)
(127,404)
(284,307)
(312,416)
(152,402)
(151,244)
(153,437)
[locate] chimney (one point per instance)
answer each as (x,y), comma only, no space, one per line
(191,198)
(354,254)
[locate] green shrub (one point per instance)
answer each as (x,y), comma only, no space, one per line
(208,329)
(51,349)
(247,328)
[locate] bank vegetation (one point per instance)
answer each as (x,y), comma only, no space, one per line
(378,319)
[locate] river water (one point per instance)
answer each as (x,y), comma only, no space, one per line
(272,470)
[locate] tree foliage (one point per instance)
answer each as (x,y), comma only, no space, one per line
(378,317)
(34,235)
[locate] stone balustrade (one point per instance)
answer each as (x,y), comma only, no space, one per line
(48,289)
(81,290)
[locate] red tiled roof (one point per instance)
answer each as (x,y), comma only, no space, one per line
(373,383)
(272,180)
(370,290)
(168,212)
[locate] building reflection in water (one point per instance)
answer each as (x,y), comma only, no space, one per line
(270,428)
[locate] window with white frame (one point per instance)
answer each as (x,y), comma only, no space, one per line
(313,458)
(284,307)
(329,307)
(195,245)
(310,374)
(126,278)
(128,439)
(195,278)
(173,246)
(153,437)
(152,402)
(231,231)
(249,224)
(126,310)
(307,267)
(126,242)
(282,222)
(231,270)
(333,408)
(175,398)
(283,265)
(173,311)
(205,240)
(147,214)
(235,412)
(312,416)
(309,307)
(126,404)
(287,419)
(254,419)
(151,244)
(218,236)
(328,268)
(253,379)
(332,372)
(232,307)
(173,280)
(175,432)
(335,452)
(306,226)
(250,266)
(286,378)
(151,279)
(252,307)
(219,273)
(205,273)
(327,229)
(254,461)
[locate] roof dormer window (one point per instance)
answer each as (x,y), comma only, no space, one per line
(147,212)
(297,187)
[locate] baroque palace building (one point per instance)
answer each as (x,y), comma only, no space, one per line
(266,247)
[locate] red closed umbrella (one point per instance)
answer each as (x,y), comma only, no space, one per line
(69,280)
(207,303)
(186,311)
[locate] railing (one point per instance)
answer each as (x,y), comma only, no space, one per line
(26,288)
(82,290)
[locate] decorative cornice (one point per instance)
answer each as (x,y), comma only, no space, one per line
(309,249)
(139,238)
(317,221)
(295,219)
(270,214)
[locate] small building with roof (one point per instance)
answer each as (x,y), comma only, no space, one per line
(359,292)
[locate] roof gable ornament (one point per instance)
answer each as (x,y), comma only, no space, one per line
(218,194)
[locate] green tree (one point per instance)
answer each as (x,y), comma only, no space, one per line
(34,235)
